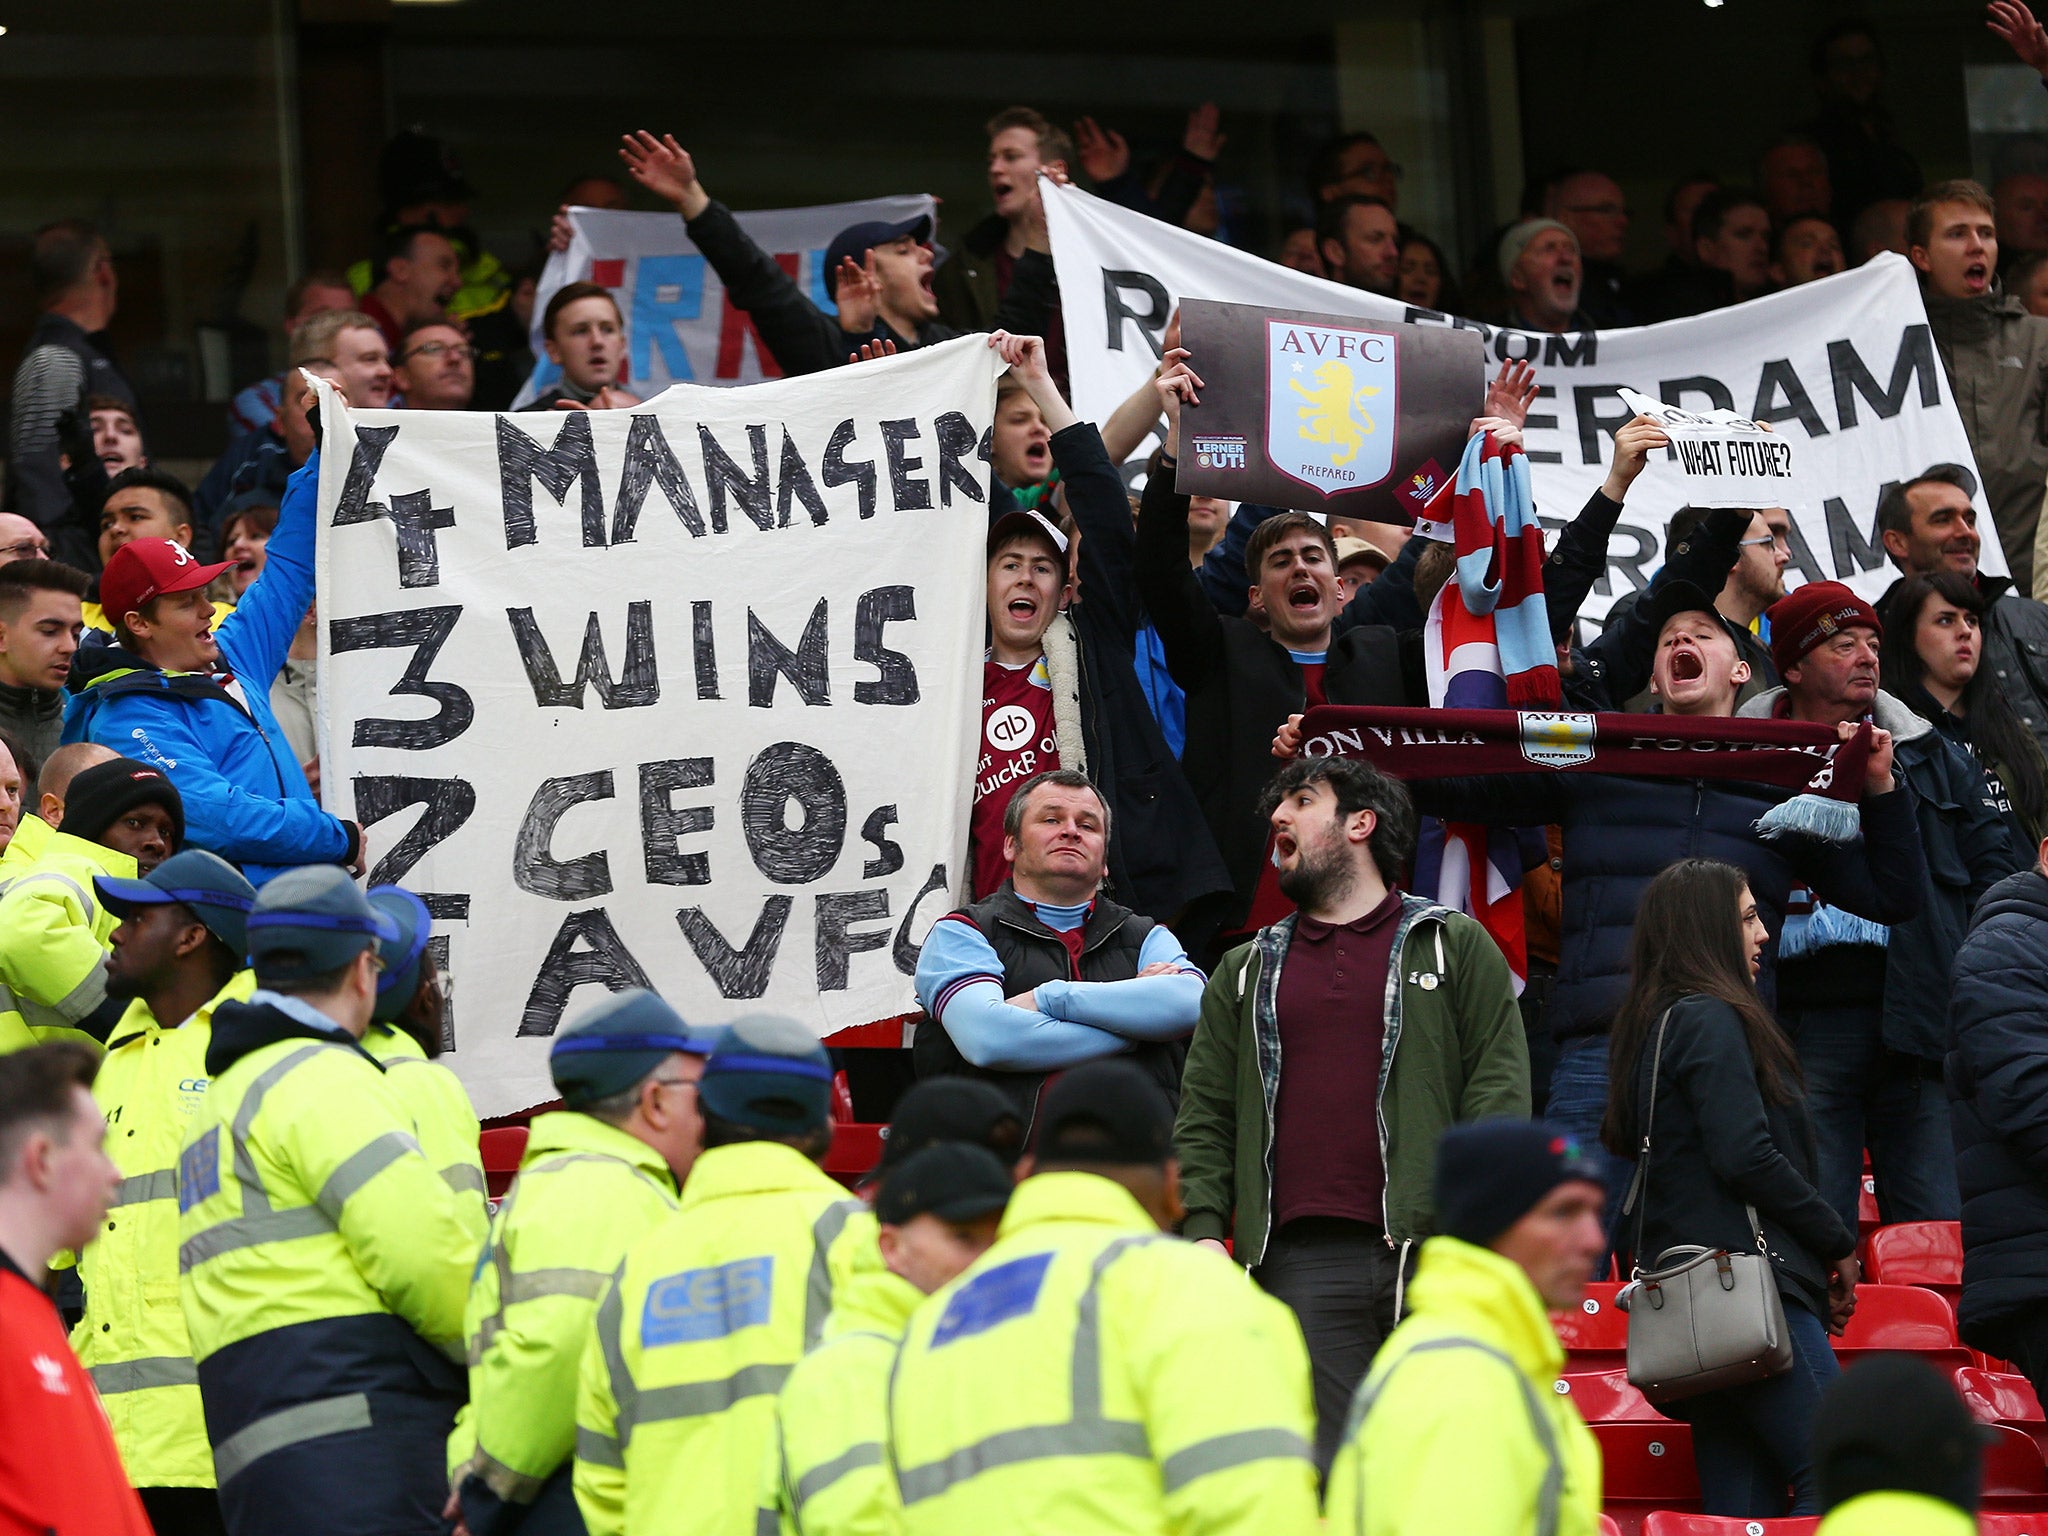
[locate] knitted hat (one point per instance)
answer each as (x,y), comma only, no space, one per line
(1517,239)
(1807,615)
(100,795)
(770,1075)
(1893,1422)
(1492,1173)
(617,1043)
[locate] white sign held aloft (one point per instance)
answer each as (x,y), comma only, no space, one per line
(679,696)
(1724,459)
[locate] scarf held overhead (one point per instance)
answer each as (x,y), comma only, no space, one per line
(1822,773)
(1499,546)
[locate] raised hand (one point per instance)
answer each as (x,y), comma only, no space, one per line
(857,290)
(1510,393)
(1104,156)
(1204,138)
(1632,447)
(1177,385)
(870,350)
(1024,354)
(2022,33)
(664,168)
(560,230)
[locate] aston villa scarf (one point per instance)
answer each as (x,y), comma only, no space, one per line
(1822,774)
(1499,546)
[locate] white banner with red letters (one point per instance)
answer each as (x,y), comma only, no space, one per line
(1844,370)
(680,326)
(684,696)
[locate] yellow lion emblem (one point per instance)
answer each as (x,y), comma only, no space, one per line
(1328,418)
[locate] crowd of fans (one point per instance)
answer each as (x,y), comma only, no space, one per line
(1193,989)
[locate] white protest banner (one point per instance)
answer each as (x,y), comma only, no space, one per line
(1844,369)
(680,326)
(683,696)
(1724,459)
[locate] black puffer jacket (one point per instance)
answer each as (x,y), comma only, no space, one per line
(1997,1074)
(2015,649)
(1619,834)
(1717,1145)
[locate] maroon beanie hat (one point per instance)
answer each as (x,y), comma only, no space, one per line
(1806,616)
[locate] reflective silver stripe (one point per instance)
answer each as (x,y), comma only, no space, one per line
(512,1486)
(266,1226)
(465,1179)
(1079,1437)
(867,1453)
(625,1395)
(1087,1433)
(818,1290)
(138,1187)
(141,1375)
(767,1523)
(693,1399)
(254,1196)
(1233,1450)
(361,1166)
(599,1450)
(73,1005)
(533,1284)
(288,1427)
(1549,1495)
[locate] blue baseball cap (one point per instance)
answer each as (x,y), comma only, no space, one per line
(217,892)
(402,955)
(310,921)
(617,1043)
(769,1074)
(855,241)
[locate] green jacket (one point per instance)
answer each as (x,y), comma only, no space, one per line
(1453,1050)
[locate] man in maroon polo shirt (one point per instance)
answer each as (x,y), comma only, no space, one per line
(1364,1024)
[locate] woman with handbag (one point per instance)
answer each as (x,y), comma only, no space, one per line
(1706,1097)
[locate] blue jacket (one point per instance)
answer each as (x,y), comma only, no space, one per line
(246,797)
(1997,1075)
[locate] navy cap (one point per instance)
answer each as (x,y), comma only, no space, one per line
(617,1043)
(401,955)
(309,921)
(1672,598)
(1106,1112)
(770,1075)
(217,892)
(1492,1173)
(1025,524)
(941,1109)
(952,1180)
(857,240)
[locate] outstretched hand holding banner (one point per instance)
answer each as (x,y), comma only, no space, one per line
(678,696)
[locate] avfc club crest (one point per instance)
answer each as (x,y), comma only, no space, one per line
(1331,405)
(1552,740)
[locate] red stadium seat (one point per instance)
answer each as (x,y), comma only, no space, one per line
(1903,1318)
(1595,1337)
(2010,1523)
(501,1148)
(855,1150)
(2014,1476)
(1608,1527)
(1648,1467)
(1995,1397)
(1605,1397)
(1668,1522)
(1925,1253)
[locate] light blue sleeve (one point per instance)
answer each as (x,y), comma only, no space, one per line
(258,634)
(1142,1008)
(960,983)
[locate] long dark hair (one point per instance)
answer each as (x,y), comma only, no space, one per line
(1995,729)
(1688,942)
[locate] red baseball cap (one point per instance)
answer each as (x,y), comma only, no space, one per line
(145,568)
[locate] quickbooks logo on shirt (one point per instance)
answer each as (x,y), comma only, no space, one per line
(701,1304)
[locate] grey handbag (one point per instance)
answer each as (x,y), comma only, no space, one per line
(1704,1318)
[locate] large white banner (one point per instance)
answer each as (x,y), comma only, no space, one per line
(1845,368)
(683,696)
(680,325)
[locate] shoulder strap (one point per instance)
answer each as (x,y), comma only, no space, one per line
(1548,1497)
(1639,1185)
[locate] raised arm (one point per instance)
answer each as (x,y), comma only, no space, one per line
(1189,627)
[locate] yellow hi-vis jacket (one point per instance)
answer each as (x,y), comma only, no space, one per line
(1458,1426)
(695,1337)
(1894,1512)
(1091,1374)
(132,1339)
(317,1241)
(53,942)
(443,1119)
(32,835)
(825,1474)
(586,1192)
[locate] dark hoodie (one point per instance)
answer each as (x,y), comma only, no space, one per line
(1998,1038)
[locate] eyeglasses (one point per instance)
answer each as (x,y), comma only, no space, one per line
(461,350)
(673,1082)
(1765,538)
(27,549)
